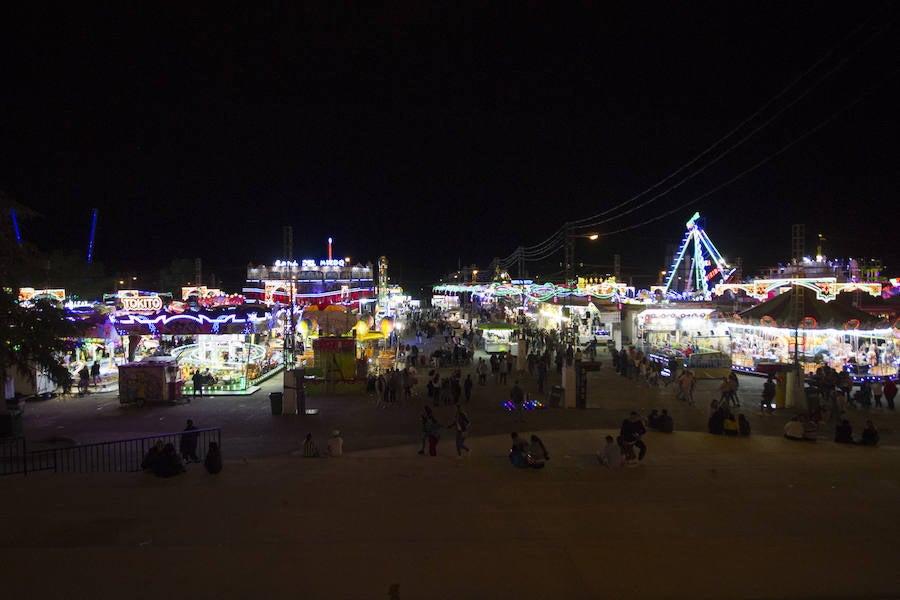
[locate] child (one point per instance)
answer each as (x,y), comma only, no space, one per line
(611,455)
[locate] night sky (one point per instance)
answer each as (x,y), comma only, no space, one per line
(438,133)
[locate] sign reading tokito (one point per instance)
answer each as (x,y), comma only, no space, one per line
(141,303)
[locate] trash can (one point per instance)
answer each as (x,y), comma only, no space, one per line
(11,423)
(556,394)
(276,399)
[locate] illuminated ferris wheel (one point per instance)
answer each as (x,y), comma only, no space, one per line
(699,263)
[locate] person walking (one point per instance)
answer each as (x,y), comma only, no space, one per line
(426,418)
(433,431)
(467,387)
(461,424)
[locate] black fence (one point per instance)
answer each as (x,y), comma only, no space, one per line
(12,456)
(119,455)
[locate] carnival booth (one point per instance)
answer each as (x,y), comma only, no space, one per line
(685,337)
(156,379)
(497,337)
(824,333)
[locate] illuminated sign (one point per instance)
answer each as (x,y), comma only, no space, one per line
(331,262)
(26,294)
(142,303)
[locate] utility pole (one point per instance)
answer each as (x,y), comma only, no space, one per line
(568,252)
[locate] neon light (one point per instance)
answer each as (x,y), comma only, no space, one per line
(163,320)
(93,231)
(16,227)
(690,222)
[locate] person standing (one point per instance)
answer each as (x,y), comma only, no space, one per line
(890,392)
(877,392)
(768,395)
(95,373)
(189,443)
(197,380)
(467,387)
(84,379)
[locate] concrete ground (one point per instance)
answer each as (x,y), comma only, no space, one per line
(704,516)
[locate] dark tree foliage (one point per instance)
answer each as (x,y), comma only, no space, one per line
(35,337)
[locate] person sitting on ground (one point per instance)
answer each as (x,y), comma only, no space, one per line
(810,430)
(716,422)
(869,435)
(793,430)
(516,395)
(335,444)
(310,450)
(610,455)
(154,455)
(743,425)
(518,453)
(843,433)
(653,419)
(213,460)
(665,422)
(729,424)
(169,463)
(537,453)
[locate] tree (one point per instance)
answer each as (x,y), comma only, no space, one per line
(33,338)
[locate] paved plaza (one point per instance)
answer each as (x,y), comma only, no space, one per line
(704,516)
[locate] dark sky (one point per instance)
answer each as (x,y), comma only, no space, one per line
(445,132)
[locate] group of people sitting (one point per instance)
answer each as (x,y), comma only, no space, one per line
(524,455)
(335,446)
(661,422)
(163,461)
(801,429)
(723,422)
(843,434)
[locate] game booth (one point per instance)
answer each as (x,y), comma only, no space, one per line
(685,337)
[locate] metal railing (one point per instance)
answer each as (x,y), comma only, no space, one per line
(12,456)
(115,456)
